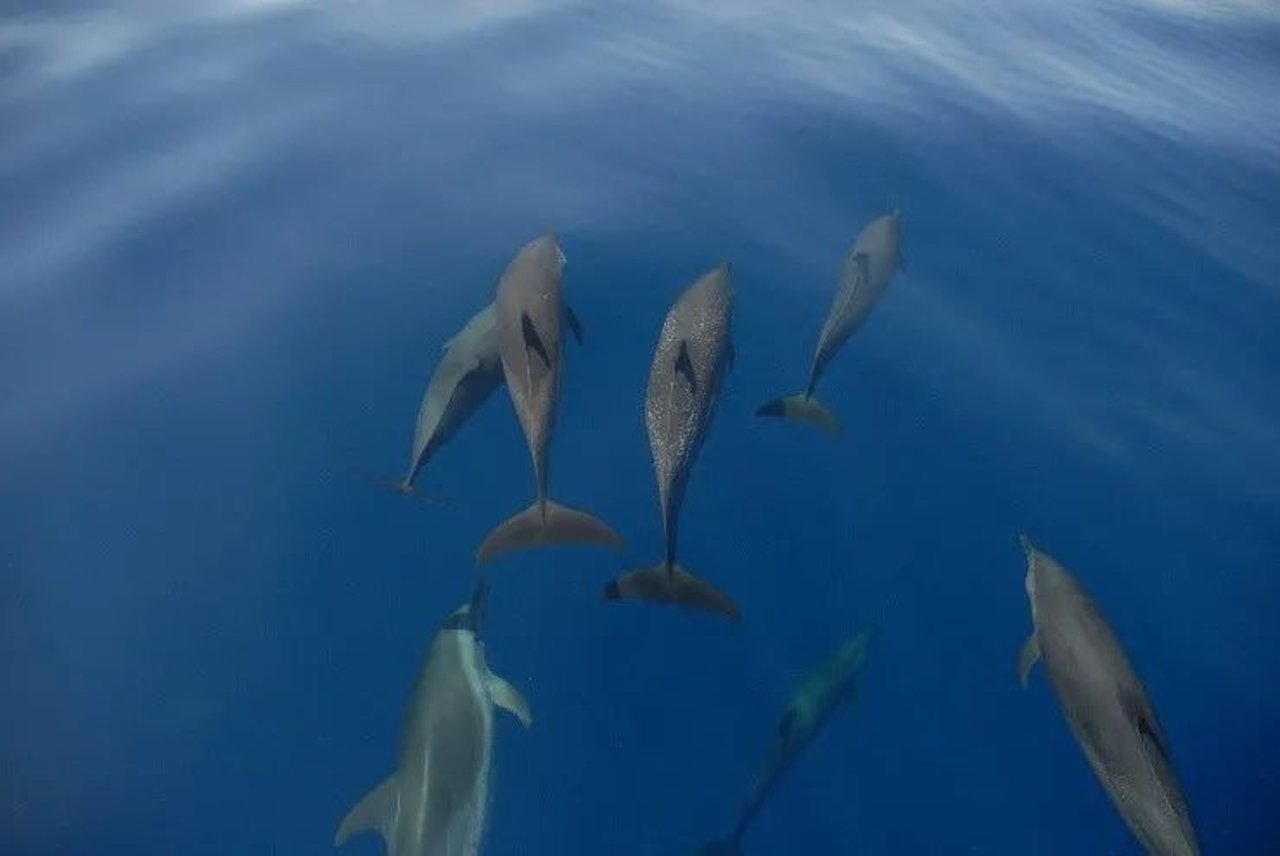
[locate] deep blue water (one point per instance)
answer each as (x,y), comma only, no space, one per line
(233,239)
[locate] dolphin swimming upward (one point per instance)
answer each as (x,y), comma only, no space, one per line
(869,268)
(468,373)
(820,693)
(529,310)
(694,352)
(435,803)
(1105,706)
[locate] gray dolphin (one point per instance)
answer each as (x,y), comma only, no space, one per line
(435,802)
(1105,706)
(529,310)
(872,262)
(819,694)
(694,352)
(467,374)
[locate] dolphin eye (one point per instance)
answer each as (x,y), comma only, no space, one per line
(1150,736)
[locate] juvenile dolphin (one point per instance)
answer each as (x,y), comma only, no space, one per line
(820,693)
(467,374)
(529,310)
(435,802)
(694,353)
(872,262)
(1105,706)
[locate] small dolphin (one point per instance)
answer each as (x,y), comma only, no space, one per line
(820,693)
(1105,705)
(694,353)
(435,803)
(467,374)
(529,311)
(874,259)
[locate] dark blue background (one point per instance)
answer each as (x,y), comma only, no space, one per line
(233,239)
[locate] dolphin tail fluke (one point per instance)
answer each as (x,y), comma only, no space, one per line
(375,813)
(728,847)
(802,408)
(665,583)
(547,524)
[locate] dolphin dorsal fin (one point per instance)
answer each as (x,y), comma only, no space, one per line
(575,326)
(509,699)
(1027,658)
(532,341)
(375,813)
(684,365)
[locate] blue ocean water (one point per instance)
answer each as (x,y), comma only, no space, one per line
(234,236)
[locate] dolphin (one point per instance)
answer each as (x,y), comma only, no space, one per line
(435,802)
(694,352)
(819,694)
(529,310)
(467,374)
(1105,705)
(869,267)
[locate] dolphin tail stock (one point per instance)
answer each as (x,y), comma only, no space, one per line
(405,488)
(546,523)
(376,812)
(802,407)
(669,583)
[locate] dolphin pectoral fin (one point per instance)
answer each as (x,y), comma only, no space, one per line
(807,409)
(532,341)
(684,365)
(375,813)
(509,699)
(672,584)
(557,524)
(575,326)
(1027,658)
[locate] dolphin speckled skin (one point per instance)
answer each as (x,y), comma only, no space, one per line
(694,352)
(872,262)
(819,694)
(529,310)
(435,803)
(1105,705)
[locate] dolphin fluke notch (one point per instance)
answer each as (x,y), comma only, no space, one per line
(664,583)
(545,524)
(802,408)
(375,813)
(405,488)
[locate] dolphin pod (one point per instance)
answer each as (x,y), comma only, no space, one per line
(873,260)
(694,353)
(1105,706)
(435,802)
(815,699)
(529,310)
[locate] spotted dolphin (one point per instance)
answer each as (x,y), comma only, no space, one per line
(467,374)
(872,262)
(817,696)
(694,353)
(529,311)
(435,803)
(1105,705)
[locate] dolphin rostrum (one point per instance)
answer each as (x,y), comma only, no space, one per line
(529,311)
(467,374)
(435,802)
(1105,706)
(872,262)
(694,352)
(818,695)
